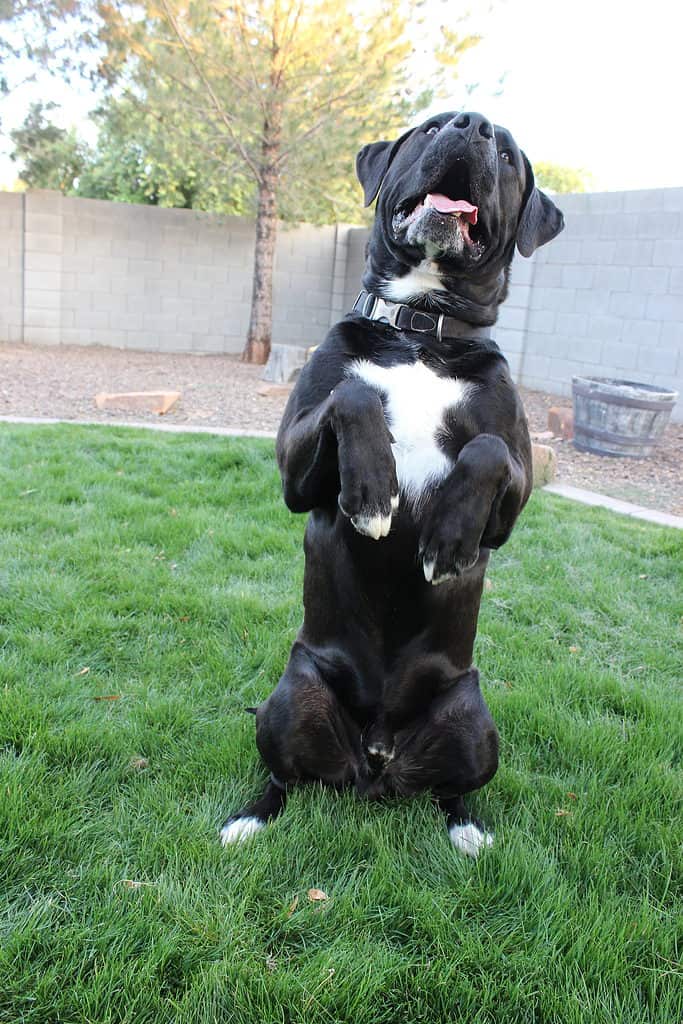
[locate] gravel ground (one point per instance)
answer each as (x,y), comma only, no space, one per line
(61,382)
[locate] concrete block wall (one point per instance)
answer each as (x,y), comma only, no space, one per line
(11,267)
(99,273)
(606,296)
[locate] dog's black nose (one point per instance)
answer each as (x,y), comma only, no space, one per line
(476,124)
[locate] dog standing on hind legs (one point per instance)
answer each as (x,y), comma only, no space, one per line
(406,442)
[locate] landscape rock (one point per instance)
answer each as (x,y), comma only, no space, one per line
(544,464)
(146,401)
(561,421)
(285,363)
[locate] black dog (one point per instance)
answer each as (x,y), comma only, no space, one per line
(406,441)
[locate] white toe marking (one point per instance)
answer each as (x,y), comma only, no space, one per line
(240,829)
(372,526)
(394,502)
(469,839)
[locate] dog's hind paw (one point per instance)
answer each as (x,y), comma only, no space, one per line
(469,839)
(236,830)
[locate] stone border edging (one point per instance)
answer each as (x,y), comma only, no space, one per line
(615,505)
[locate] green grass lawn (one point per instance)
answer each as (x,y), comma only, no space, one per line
(150,588)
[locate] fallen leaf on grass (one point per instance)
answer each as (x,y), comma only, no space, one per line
(562,812)
(84,671)
(131,883)
(293,905)
(31,490)
(316,894)
(271,963)
(138,763)
(572,796)
(574,649)
(108,696)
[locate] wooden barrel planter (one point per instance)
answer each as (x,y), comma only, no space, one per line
(619,417)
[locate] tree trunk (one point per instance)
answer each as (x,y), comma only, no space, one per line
(257,348)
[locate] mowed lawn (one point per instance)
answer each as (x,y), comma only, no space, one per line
(150,588)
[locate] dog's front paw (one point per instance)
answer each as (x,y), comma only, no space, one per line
(369,494)
(372,520)
(447,553)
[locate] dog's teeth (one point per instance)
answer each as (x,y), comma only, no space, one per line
(428,567)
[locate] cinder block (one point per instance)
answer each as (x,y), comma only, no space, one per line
(605,328)
(658,360)
(573,325)
(657,224)
(513,319)
(628,305)
(665,307)
(42,318)
(668,252)
(560,300)
(620,355)
(41,335)
(614,279)
(35,241)
(652,280)
(642,332)
(578,276)
(36,298)
(669,334)
(548,276)
(540,321)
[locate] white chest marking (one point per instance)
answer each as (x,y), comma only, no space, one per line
(419,280)
(416,400)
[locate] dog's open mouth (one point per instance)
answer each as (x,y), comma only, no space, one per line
(461,209)
(450,202)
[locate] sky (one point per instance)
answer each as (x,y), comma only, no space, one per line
(591,84)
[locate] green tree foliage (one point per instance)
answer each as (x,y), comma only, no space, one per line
(560,179)
(50,157)
(259,105)
(279,94)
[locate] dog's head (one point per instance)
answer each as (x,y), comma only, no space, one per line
(456,195)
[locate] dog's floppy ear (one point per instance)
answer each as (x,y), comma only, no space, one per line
(372,163)
(540,220)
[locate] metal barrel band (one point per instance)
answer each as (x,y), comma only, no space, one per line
(635,403)
(609,435)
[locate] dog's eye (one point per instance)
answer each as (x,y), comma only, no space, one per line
(432,130)
(506,155)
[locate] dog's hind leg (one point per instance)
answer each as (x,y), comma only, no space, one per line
(303,734)
(467,834)
(255,816)
(451,750)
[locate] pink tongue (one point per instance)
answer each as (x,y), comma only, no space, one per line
(445,205)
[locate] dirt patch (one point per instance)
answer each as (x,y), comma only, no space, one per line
(219,390)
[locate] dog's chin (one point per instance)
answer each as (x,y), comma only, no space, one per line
(439,236)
